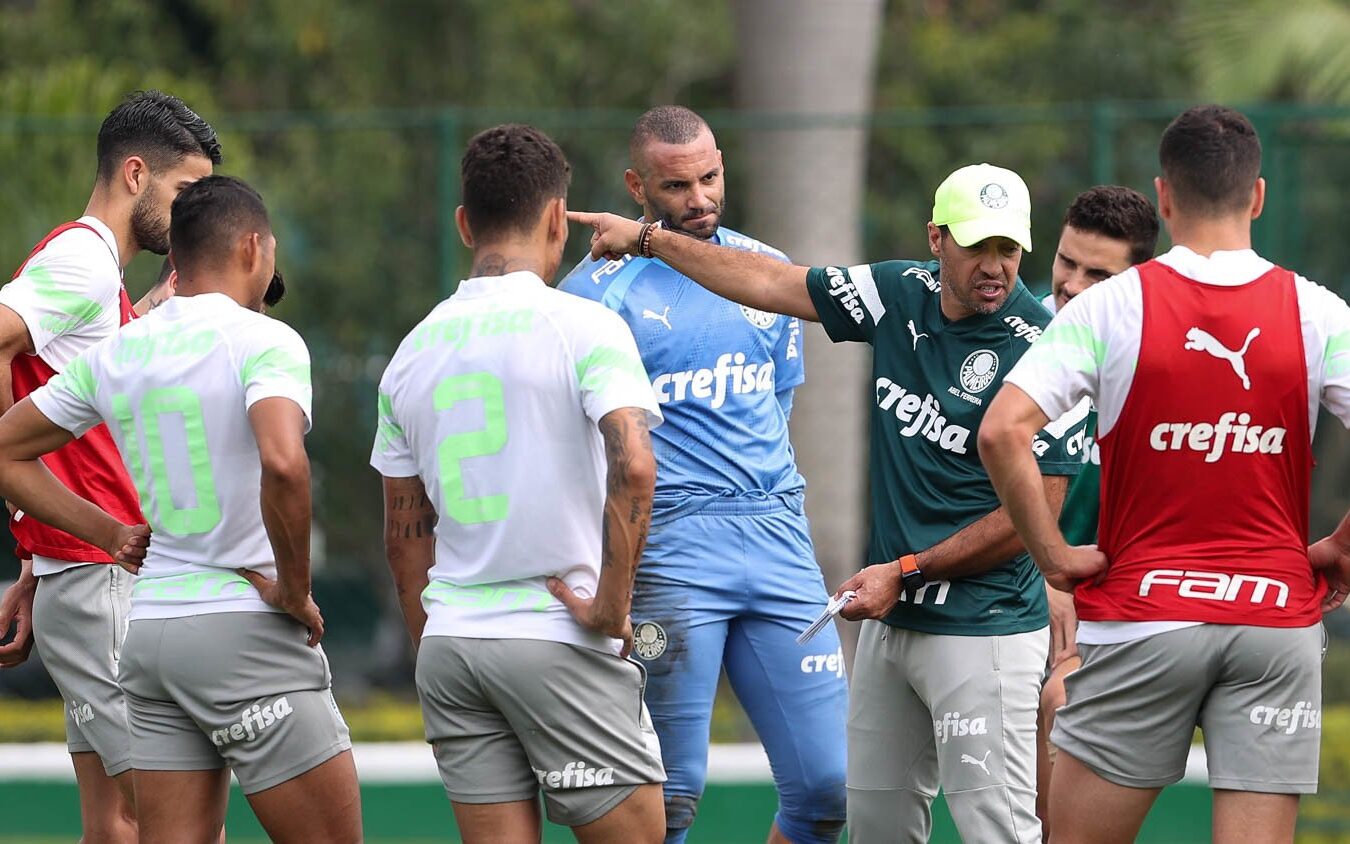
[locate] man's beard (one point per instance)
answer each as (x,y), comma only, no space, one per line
(150,232)
(670,222)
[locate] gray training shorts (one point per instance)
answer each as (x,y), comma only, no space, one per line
(1255,692)
(237,688)
(508,718)
(79,622)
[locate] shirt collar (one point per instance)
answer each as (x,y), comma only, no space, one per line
(491,285)
(101,229)
(1228,268)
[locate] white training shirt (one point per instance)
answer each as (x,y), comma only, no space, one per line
(69,298)
(493,402)
(1092,348)
(175,387)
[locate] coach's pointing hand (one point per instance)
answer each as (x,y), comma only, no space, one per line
(878,591)
(614,236)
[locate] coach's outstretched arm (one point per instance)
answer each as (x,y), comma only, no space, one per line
(279,427)
(759,281)
(628,513)
(1005,439)
(25,435)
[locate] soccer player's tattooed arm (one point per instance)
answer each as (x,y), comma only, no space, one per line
(279,427)
(982,545)
(409,546)
(25,435)
(627,518)
(749,278)
(1005,439)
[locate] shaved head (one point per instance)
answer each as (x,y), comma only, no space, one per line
(666,125)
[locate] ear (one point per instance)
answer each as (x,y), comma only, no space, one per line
(1164,198)
(135,174)
(462,223)
(1258,197)
(252,252)
(171,283)
(553,222)
(934,239)
(633,182)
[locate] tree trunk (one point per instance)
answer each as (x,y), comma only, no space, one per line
(804,60)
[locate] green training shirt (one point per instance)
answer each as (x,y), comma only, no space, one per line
(932,381)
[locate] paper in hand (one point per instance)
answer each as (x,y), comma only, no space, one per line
(832,608)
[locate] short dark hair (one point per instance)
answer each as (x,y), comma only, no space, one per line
(209,215)
(509,173)
(159,128)
(1211,158)
(669,124)
(1120,213)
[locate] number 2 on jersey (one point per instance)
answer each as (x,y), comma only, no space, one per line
(454,448)
(181,521)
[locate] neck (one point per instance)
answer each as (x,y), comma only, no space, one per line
(500,259)
(237,288)
(1207,235)
(106,211)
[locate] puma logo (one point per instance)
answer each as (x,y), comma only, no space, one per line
(663,317)
(914,332)
(1199,340)
(979,763)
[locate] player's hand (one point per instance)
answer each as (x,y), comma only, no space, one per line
(299,607)
(16,608)
(1071,565)
(1063,626)
(592,615)
(1331,559)
(614,236)
(878,591)
(127,546)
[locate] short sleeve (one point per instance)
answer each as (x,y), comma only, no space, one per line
(847,301)
(609,371)
(68,398)
(391,455)
(65,290)
(276,365)
(1335,393)
(1062,367)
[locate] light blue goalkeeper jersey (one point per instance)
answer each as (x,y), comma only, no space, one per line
(723,373)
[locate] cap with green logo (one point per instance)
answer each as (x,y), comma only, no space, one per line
(981,201)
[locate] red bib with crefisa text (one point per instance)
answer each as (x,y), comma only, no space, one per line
(1205,477)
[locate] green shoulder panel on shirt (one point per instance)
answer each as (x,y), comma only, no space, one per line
(276,361)
(1337,356)
(387,429)
(597,369)
(68,311)
(78,380)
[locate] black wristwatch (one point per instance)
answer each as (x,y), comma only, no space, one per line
(911,579)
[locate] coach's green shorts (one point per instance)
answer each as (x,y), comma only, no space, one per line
(238,688)
(508,718)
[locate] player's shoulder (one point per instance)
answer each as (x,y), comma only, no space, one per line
(907,278)
(1107,301)
(255,330)
(736,240)
(575,314)
(1026,316)
(77,257)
